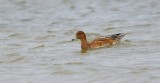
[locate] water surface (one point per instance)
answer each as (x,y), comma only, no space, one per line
(36,46)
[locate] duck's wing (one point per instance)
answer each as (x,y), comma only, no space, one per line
(107,41)
(101,42)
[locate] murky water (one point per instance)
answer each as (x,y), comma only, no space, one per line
(36,46)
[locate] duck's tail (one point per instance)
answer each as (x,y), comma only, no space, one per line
(118,37)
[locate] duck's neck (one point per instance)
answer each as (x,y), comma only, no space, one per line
(84,43)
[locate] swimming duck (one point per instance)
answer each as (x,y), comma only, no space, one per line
(99,42)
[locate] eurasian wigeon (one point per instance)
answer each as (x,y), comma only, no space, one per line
(99,42)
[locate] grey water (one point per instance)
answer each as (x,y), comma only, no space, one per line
(36,46)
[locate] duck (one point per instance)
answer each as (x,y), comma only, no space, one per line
(100,42)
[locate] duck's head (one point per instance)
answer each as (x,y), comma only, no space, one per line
(80,35)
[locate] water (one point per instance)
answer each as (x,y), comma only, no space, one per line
(36,46)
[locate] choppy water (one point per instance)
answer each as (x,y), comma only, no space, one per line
(36,46)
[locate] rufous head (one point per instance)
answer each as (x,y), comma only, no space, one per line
(80,35)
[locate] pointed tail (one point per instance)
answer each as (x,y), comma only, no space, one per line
(118,36)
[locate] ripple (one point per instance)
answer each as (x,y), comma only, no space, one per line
(39,46)
(45,37)
(18,35)
(138,71)
(74,63)
(15,35)
(26,20)
(140,25)
(63,72)
(13,58)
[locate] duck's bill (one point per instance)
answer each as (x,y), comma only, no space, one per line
(74,39)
